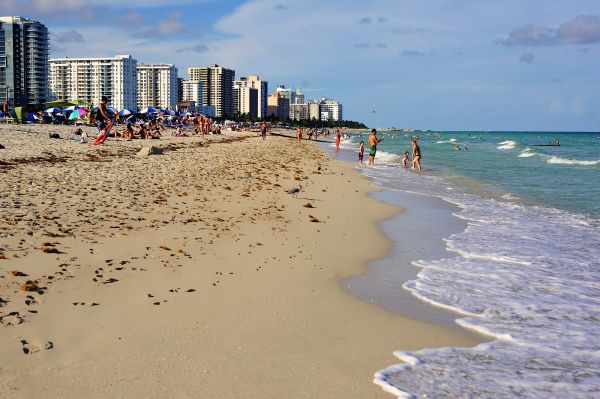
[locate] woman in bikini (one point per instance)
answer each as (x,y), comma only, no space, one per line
(416,162)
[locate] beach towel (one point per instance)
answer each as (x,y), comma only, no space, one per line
(104,134)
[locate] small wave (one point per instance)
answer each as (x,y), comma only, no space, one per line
(564,161)
(506,145)
(443,142)
(387,158)
(453,140)
(509,196)
(526,153)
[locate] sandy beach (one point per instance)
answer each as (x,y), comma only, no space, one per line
(192,273)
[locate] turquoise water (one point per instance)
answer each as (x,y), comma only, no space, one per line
(525,271)
(565,177)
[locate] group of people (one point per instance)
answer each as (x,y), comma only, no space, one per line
(151,129)
(374,140)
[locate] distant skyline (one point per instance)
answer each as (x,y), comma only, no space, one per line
(430,64)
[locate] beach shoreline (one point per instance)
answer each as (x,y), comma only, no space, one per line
(192,272)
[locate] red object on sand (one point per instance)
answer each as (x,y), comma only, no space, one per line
(104,135)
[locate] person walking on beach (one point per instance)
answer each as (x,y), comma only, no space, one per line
(104,121)
(263,130)
(416,153)
(299,134)
(338,138)
(361,151)
(373,141)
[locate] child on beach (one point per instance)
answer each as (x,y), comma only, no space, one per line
(361,151)
(405,159)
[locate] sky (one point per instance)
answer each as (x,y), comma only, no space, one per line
(423,64)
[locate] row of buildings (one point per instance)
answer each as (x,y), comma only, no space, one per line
(29,77)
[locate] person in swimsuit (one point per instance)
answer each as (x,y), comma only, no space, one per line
(405,159)
(338,138)
(416,154)
(361,151)
(105,122)
(263,130)
(373,141)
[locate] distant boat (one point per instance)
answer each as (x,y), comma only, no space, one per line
(555,144)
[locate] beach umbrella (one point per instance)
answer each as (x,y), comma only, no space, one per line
(125,112)
(78,113)
(52,110)
(70,108)
(149,111)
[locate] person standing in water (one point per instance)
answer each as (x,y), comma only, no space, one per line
(338,138)
(361,151)
(373,141)
(416,153)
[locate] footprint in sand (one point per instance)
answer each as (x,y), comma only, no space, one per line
(30,300)
(11,319)
(29,348)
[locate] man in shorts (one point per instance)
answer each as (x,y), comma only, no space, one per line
(263,130)
(373,141)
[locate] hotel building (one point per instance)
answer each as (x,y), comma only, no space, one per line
(217,87)
(332,108)
(245,98)
(88,79)
(23,61)
(157,85)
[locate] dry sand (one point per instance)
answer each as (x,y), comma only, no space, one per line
(189,274)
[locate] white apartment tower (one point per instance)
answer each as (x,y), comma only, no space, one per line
(262,90)
(192,91)
(332,108)
(88,79)
(217,87)
(245,98)
(23,61)
(157,85)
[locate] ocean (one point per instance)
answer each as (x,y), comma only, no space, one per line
(525,272)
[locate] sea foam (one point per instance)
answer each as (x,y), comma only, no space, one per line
(563,161)
(527,277)
(506,145)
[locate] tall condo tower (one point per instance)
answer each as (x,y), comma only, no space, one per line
(23,61)
(217,87)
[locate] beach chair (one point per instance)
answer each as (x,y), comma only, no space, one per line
(47,118)
(32,118)
(59,118)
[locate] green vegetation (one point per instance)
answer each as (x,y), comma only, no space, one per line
(309,123)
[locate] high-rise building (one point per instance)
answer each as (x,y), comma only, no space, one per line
(88,79)
(286,93)
(23,61)
(333,109)
(299,97)
(278,105)
(192,91)
(262,88)
(245,98)
(217,83)
(299,112)
(325,109)
(157,85)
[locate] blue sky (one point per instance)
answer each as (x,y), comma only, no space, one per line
(429,64)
